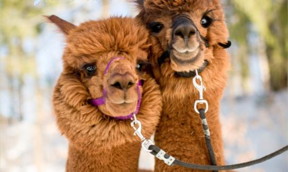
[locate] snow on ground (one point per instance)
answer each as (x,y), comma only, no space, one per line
(255,126)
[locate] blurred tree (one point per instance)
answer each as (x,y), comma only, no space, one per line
(105,8)
(239,30)
(17,23)
(270,19)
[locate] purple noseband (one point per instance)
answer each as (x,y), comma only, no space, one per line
(102,100)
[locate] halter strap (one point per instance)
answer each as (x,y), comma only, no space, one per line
(102,100)
(110,62)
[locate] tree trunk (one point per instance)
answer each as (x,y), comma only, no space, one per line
(106,8)
(278,69)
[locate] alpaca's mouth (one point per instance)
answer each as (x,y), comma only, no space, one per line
(186,59)
(192,52)
(125,106)
(121,109)
(185,56)
(123,102)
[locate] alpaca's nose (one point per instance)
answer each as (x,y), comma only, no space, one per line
(185,31)
(122,81)
(183,27)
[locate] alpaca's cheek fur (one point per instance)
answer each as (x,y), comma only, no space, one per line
(95,87)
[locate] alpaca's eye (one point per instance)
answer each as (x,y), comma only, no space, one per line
(90,69)
(206,21)
(155,27)
(141,66)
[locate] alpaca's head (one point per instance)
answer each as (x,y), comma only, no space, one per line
(108,59)
(186,30)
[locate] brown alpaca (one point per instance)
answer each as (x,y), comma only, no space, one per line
(187,35)
(104,60)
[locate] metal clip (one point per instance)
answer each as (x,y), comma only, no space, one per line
(138,131)
(201,88)
(146,143)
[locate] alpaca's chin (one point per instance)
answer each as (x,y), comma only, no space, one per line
(123,109)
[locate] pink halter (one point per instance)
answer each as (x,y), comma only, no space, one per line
(102,100)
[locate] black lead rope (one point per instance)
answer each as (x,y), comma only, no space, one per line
(172,161)
(207,137)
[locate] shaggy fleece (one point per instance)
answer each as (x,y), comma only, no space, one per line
(180,131)
(98,142)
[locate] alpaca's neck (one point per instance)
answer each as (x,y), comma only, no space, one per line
(104,160)
(183,107)
(180,130)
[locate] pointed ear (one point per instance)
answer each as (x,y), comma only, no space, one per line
(63,25)
(140,4)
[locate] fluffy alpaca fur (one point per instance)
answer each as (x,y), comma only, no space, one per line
(179,131)
(99,142)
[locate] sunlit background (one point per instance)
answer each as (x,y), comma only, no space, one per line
(254,111)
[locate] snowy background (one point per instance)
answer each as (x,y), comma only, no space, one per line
(254,120)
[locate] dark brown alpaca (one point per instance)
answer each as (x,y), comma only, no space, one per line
(104,63)
(187,35)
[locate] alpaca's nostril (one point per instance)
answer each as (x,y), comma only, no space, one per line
(130,84)
(117,85)
(123,85)
(192,32)
(185,31)
(179,33)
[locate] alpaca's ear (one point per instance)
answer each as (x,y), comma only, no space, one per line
(63,25)
(140,4)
